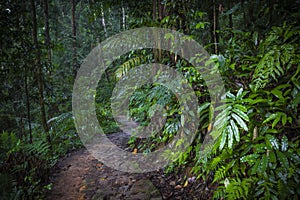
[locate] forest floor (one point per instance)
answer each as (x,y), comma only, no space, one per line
(80,176)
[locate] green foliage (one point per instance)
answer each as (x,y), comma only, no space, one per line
(126,66)
(277,55)
(63,134)
(25,166)
(262,160)
(232,117)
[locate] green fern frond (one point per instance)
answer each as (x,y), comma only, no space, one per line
(215,162)
(220,174)
(277,58)
(237,189)
(219,193)
(40,148)
(56,121)
(126,66)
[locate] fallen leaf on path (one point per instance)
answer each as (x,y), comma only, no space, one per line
(82,188)
(134,151)
(178,187)
(186,183)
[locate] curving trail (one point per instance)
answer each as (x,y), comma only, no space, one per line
(80,176)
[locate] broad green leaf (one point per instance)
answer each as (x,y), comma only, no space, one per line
(283,160)
(221,121)
(284,143)
(235,130)
(255,101)
(165,20)
(241,114)
(230,136)
(215,133)
(203,107)
(272,141)
(283,177)
(272,116)
(284,119)
(200,25)
(240,107)
(239,93)
(211,113)
(223,139)
(247,147)
(222,117)
(276,120)
(296,100)
(263,164)
(222,107)
(254,168)
(231,96)
(282,86)
(182,120)
(272,157)
(251,159)
(240,121)
(277,93)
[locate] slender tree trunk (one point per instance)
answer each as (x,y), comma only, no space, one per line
(215,18)
(27,96)
(39,72)
(74,46)
(157,16)
(47,32)
(105,34)
(230,16)
(154,14)
(28,105)
(103,22)
(122,17)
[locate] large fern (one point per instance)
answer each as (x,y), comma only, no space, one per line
(228,121)
(277,56)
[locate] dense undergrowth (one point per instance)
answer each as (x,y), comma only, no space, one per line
(256,154)
(25,166)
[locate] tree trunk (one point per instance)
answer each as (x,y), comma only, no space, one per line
(39,72)
(47,34)
(28,105)
(123,16)
(154,15)
(103,21)
(215,18)
(230,17)
(157,16)
(74,37)
(105,34)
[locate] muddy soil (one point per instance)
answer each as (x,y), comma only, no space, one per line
(80,176)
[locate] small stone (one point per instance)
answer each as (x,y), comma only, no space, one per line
(178,187)
(172,183)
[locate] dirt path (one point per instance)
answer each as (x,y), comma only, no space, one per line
(80,176)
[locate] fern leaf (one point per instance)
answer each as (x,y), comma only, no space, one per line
(235,130)
(240,121)
(223,139)
(283,160)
